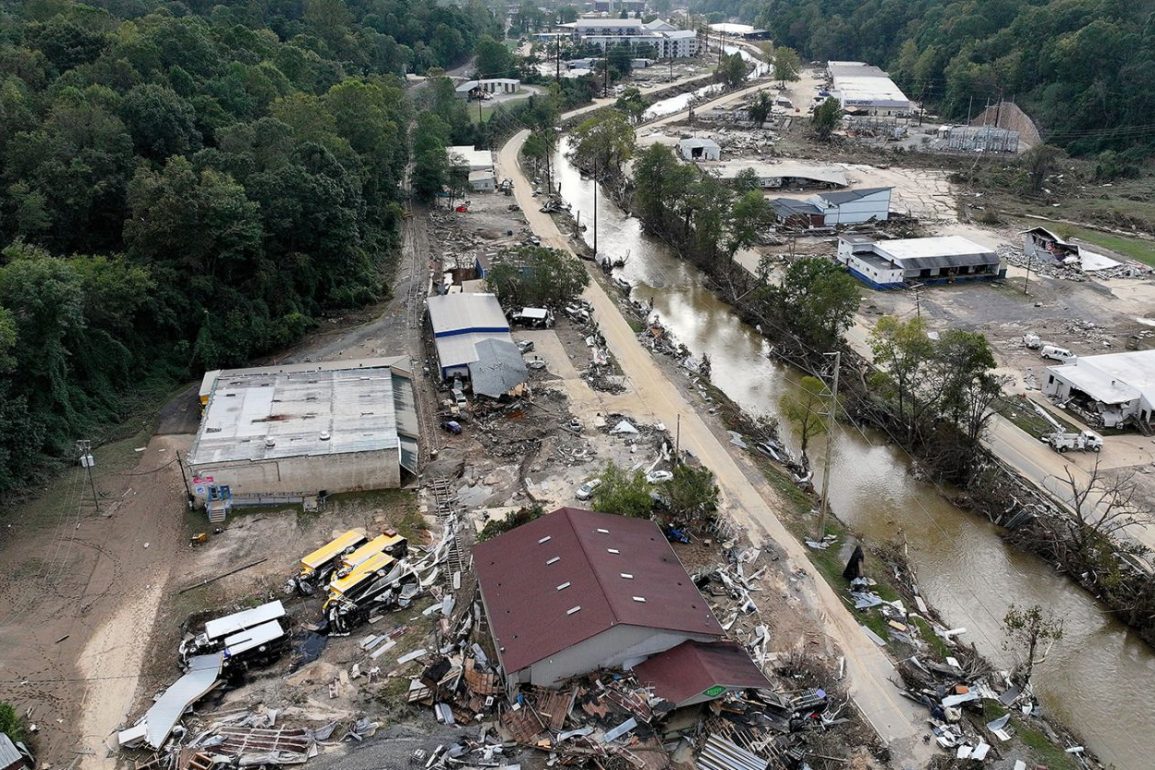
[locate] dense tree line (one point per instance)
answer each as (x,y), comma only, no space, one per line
(1083,69)
(187,185)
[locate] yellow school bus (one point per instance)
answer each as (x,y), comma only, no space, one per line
(389,543)
(318,565)
(346,587)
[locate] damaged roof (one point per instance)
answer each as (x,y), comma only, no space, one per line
(694,672)
(499,368)
(839,197)
(572,574)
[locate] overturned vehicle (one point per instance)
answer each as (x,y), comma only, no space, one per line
(253,637)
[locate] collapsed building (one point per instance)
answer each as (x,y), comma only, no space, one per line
(1110,390)
(575,591)
(302,431)
(836,208)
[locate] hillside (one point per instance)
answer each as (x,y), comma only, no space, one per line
(1083,69)
(186,185)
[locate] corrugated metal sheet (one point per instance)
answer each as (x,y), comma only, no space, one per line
(499,368)
(159,720)
(270,416)
(409,454)
(9,754)
(405,406)
(461,350)
(846,196)
(721,754)
(463,313)
(239,621)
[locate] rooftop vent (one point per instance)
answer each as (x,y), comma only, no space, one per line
(545,539)
(626,575)
(613,550)
(564,585)
(270,442)
(553,559)
(603,531)
(572,610)
(641,599)
(325,435)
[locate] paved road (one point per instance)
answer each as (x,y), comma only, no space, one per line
(896,720)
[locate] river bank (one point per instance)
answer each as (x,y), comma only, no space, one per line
(966,569)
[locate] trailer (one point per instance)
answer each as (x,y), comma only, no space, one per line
(389,543)
(318,566)
(232,631)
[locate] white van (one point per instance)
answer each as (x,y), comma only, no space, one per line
(1056,353)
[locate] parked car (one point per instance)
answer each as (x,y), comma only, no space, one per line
(525,346)
(453,426)
(586,490)
(1056,353)
(659,477)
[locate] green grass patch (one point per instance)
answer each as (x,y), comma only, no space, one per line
(936,644)
(1045,752)
(1138,249)
(1018,409)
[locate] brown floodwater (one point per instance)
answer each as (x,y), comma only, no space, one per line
(1095,680)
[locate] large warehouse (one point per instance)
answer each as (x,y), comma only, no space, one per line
(575,591)
(859,87)
(1112,389)
(299,430)
(894,264)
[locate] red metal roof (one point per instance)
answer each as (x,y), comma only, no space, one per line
(573,574)
(688,670)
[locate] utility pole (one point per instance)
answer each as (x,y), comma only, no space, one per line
(558,49)
(970,107)
(678,439)
(595,212)
(1027,277)
(479,106)
(830,433)
(86,462)
(184,478)
(606,71)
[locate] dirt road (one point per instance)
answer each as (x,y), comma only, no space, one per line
(80,595)
(652,395)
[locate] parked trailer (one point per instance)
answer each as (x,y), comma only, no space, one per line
(219,633)
(318,566)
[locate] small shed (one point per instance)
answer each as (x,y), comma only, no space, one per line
(797,213)
(695,148)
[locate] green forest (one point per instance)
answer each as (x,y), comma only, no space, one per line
(1083,69)
(185,185)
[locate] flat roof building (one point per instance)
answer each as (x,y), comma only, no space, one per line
(575,591)
(788,174)
(860,86)
(668,41)
(895,264)
(1110,390)
(332,427)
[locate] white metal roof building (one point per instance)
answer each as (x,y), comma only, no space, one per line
(784,174)
(1114,388)
(339,427)
(853,207)
(459,322)
(471,157)
(699,148)
(858,85)
(894,264)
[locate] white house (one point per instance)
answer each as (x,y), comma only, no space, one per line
(853,207)
(472,89)
(894,264)
(576,591)
(695,148)
(1112,389)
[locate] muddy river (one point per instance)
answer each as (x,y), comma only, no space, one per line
(1095,680)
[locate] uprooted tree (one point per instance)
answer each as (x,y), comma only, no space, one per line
(691,495)
(1104,508)
(1028,628)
